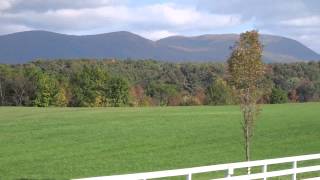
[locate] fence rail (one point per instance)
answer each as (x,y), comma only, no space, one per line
(229,168)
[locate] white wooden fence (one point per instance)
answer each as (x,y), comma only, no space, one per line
(229,168)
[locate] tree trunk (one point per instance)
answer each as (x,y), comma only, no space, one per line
(248,149)
(1,95)
(248,116)
(19,93)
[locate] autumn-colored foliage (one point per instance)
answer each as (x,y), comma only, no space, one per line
(246,74)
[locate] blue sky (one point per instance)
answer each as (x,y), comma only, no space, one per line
(155,19)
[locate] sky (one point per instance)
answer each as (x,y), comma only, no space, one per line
(156,19)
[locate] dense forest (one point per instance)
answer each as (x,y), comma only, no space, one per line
(98,83)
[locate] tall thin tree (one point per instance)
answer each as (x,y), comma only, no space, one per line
(246,73)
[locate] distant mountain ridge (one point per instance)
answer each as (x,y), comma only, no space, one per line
(30,45)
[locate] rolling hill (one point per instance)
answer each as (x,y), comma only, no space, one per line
(30,45)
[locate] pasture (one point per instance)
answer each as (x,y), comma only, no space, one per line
(64,143)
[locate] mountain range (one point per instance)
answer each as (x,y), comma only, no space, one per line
(25,46)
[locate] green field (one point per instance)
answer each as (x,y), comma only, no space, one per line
(62,143)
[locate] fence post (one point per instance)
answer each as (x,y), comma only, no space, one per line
(264,170)
(229,172)
(189,177)
(294,166)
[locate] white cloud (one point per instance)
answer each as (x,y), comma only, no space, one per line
(303,22)
(290,18)
(158,19)
(156,35)
(5,4)
(46,5)
(69,19)
(12,28)
(153,18)
(311,40)
(190,16)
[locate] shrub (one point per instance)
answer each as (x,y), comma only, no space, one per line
(278,96)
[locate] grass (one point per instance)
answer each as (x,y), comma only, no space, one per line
(64,143)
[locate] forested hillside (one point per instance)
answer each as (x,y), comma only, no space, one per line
(122,45)
(145,83)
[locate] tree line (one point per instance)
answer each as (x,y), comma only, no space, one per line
(100,83)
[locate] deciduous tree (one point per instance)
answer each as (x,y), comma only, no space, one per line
(117,92)
(46,90)
(278,96)
(219,93)
(89,86)
(246,73)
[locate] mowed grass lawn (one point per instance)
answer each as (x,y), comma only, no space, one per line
(64,143)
